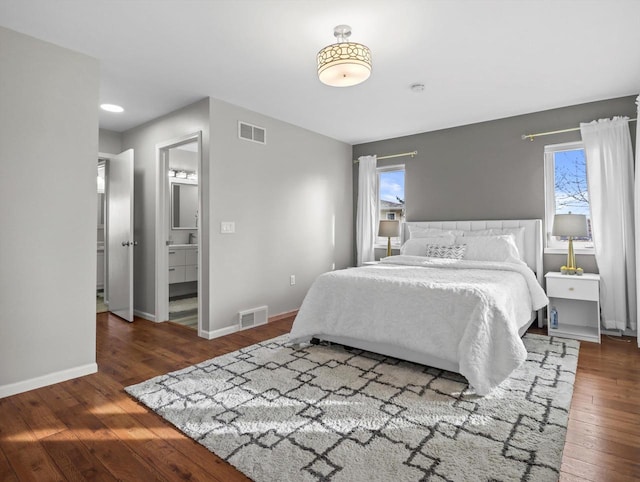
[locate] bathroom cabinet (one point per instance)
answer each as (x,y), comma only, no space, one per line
(183,263)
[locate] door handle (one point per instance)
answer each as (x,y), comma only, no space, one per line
(125,243)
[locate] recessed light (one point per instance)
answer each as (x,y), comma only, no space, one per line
(111,108)
(417,87)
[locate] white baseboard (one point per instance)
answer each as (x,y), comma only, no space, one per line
(49,379)
(144,315)
(210,335)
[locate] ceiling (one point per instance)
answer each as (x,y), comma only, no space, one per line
(479,60)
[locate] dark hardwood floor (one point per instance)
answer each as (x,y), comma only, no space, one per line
(90,429)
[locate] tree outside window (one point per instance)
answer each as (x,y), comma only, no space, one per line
(566,190)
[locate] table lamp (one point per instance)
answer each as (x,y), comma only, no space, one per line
(389,229)
(573,226)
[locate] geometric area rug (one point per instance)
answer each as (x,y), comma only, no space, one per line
(326,413)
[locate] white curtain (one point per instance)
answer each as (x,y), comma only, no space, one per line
(367,211)
(610,181)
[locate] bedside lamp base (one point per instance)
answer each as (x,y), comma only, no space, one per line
(571,267)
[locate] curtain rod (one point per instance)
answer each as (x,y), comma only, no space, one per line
(531,136)
(412,154)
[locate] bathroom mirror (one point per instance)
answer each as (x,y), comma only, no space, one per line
(184,205)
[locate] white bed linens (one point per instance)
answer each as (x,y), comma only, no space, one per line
(467,312)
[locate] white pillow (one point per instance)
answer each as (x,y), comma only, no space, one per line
(421,232)
(490,248)
(418,246)
(518,234)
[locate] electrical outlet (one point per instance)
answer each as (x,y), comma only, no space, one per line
(292,279)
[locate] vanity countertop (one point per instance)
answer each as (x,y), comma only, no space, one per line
(182,246)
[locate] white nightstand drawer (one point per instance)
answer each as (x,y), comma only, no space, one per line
(573,287)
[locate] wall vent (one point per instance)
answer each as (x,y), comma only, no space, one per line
(253,317)
(252,133)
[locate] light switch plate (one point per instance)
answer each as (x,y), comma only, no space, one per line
(227,227)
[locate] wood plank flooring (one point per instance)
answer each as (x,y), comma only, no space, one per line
(90,429)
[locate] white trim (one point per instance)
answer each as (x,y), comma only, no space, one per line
(565,146)
(380,241)
(210,335)
(162,227)
(49,379)
(552,246)
(586,252)
(144,315)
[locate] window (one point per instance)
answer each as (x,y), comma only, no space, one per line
(566,192)
(391,198)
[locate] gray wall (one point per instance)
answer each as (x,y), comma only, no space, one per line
(110,142)
(287,199)
(48,131)
(291,201)
(143,140)
(485,170)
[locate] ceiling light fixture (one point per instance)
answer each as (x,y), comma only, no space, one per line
(417,88)
(345,63)
(111,108)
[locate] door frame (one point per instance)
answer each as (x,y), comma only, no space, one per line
(105,158)
(162,224)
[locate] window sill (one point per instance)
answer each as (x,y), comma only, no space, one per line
(582,251)
(384,246)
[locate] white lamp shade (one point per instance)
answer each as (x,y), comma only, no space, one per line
(574,225)
(389,229)
(344,64)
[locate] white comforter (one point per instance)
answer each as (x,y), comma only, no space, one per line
(466,312)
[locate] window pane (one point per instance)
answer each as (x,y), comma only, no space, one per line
(391,195)
(571,193)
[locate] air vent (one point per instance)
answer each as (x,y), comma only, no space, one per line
(252,133)
(253,317)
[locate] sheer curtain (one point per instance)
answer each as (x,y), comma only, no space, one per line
(610,181)
(367,210)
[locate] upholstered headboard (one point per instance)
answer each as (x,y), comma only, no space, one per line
(532,235)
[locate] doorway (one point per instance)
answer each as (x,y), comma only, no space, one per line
(101,306)
(178,225)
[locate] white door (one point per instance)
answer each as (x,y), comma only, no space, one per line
(120,241)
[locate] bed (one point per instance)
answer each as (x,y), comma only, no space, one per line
(461,315)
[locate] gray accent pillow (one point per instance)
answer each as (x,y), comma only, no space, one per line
(455,251)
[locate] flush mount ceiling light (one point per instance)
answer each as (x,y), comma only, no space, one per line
(111,108)
(344,63)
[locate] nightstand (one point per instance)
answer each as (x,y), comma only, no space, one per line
(577,301)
